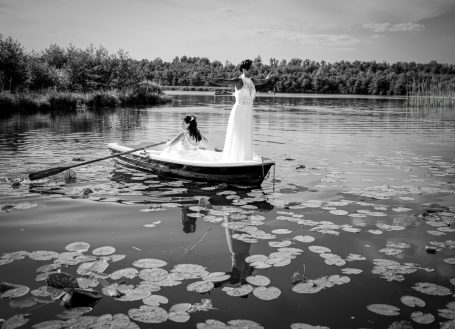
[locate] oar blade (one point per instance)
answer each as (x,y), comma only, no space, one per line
(46,173)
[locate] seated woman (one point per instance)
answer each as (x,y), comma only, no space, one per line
(187,144)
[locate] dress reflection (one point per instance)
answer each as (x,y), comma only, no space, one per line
(239,250)
(189,223)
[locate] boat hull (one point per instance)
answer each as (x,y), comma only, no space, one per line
(241,174)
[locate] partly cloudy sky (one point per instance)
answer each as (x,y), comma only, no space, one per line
(331,30)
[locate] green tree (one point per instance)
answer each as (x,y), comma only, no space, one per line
(14,71)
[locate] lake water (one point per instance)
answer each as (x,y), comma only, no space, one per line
(361,199)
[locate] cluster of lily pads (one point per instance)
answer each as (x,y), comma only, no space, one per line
(242,219)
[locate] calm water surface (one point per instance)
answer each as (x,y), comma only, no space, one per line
(355,174)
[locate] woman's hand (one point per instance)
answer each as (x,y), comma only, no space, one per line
(269,76)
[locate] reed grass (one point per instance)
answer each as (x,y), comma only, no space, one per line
(69,101)
(142,97)
(103,99)
(431,93)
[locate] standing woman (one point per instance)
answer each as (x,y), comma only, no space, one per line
(238,145)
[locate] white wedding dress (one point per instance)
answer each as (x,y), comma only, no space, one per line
(184,150)
(238,145)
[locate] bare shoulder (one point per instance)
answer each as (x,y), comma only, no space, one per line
(238,83)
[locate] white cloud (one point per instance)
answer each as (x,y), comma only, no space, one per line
(406,27)
(317,40)
(378,36)
(388,27)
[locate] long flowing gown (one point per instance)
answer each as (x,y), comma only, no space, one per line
(185,150)
(238,145)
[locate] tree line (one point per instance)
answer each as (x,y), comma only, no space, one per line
(95,69)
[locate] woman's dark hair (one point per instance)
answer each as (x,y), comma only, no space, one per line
(246,64)
(192,129)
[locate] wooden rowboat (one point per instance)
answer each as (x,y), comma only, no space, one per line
(241,173)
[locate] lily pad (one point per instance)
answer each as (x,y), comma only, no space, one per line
(92,267)
(298,325)
(431,289)
(319,249)
(304,238)
(78,246)
(384,309)
(448,312)
(23,302)
(180,317)
(149,286)
(137,293)
(153,274)
(216,277)
(85,283)
(281,231)
(13,290)
(168,282)
(52,324)
(245,324)
(48,291)
(243,290)
(149,263)
(190,271)
(43,255)
(200,286)
(148,314)
(306,288)
(103,251)
(422,318)
(338,212)
(266,293)
(74,312)
(16,321)
(280,244)
(412,301)
(450,261)
(155,300)
(4,261)
(48,268)
(182,307)
(129,273)
(258,280)
(351,270)
(179,312)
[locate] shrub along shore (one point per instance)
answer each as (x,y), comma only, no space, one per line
(30,102)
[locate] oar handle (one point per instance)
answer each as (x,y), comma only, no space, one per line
(56,170)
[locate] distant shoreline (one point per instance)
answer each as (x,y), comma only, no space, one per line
(289,95)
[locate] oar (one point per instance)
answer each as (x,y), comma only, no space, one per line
(56,170)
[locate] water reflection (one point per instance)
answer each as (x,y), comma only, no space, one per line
(239,250)
(352,176)
(189,223)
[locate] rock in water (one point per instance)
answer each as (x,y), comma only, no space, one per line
(70,175)
(204,202)
(62,280)
(84,297)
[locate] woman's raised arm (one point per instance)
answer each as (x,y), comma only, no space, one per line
(227,82)
(260,82)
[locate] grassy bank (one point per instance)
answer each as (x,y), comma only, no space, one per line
(70,101)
